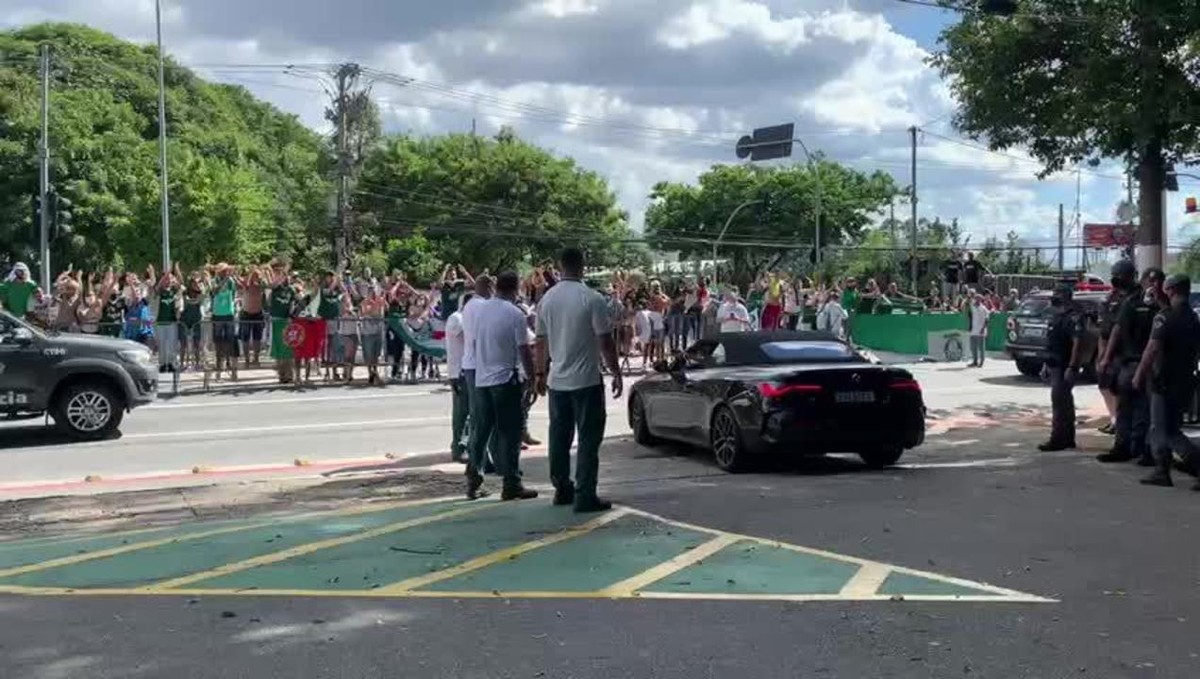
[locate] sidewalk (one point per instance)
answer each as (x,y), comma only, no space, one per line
(256,379)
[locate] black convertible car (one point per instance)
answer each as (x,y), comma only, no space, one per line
(803,393)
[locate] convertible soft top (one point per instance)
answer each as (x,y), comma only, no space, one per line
(745,348)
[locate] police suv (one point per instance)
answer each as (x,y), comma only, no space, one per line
(86,383)
(1028,325)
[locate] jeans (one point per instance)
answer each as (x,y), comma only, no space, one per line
(1133,415)
(676,331)
(497,409)
(1166,433)
(977,349)
(581,410)
(1062,404)
(691,326)
(460,409)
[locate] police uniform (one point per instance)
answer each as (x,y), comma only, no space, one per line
(1176,330)
(1107,379)
(1134,321)
(1065,330)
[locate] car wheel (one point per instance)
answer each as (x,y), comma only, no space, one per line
(88,411)
(725,437)
(638,423)
(1029,368)
(881,457)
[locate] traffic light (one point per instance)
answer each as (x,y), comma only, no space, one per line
(1189,205)
(60,215)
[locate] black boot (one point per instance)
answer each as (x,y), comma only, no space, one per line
(1053,446)
(1160,477)
(475,489)
(564,494)
(1115,455)
(516,491)
(591,503)
(1146,460)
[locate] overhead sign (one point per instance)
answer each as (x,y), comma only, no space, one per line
(767,143)
(1108,235)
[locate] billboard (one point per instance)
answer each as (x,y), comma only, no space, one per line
(1108,235)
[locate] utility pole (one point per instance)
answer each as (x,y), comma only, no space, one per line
(346,75)
(1061,262)
(163,190)
(912,199)
(44,175)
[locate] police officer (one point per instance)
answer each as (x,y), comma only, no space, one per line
(1063,339)
(1123,273)
(1124,351)
(1168,366)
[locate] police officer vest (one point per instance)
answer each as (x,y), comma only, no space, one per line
(1137,331)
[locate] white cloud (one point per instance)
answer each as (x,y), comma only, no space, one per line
(638,91)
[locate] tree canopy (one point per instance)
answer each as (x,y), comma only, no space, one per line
(1081,81)
(246,180)
(485,203)
(779,219)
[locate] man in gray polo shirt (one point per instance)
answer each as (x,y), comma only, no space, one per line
(573,331)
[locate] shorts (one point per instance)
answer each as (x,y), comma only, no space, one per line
(190,333)
(224,331)
(372,343)
(168,343)
(251,326)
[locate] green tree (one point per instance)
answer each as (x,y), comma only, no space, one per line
(1081,81)
(780,222)
(487,203)
(246,179)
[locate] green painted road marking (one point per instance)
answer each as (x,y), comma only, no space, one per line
(178,559)
(453,548)
(587,563)
(405,554)
(750,567)
(904,584)
(30,552)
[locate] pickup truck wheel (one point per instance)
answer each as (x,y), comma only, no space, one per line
(88,411)
(1029,368)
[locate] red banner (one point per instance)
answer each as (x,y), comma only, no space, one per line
(306,337)
(1108,235)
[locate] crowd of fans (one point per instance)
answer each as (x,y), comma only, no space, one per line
(238,311)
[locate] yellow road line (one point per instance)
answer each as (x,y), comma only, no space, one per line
(629,586)
(310,547)
(113,551)
(866,581)
(501,555)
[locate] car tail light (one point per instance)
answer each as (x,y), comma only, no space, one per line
(769,390)
(906,385)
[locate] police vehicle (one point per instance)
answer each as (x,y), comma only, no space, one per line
(1027,326)
(84,382)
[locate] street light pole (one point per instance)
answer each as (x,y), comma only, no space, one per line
(162,143)
(725,228)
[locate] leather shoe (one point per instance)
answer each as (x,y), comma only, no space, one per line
(564,495)
(1158,479)
(518,493)
(1052,446)
(592,504)
(1114,456)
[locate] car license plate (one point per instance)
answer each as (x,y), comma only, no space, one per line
(1034,332)
(854,397)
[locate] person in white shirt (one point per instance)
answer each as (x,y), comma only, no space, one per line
(979,322)
(484,287)
(733,315)
(832,317)
(500,335)
(460,404)
(573,331)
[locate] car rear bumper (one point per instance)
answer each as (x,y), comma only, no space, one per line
(817,435)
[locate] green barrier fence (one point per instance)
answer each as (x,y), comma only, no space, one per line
(909,333)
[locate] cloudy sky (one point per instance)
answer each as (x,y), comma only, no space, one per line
(638,90)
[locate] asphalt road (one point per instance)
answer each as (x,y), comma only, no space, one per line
(978,502)
(320,425)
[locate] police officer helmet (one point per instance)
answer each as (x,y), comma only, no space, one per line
(1123,270)
(1178,283)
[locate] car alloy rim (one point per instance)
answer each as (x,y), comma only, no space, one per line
(88,411)
(725,440)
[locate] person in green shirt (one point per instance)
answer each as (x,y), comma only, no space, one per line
(192,320)
(453,289)
(167,318)
(329,308)
(850,301)
(282,308)
(223,292)
(16,292)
